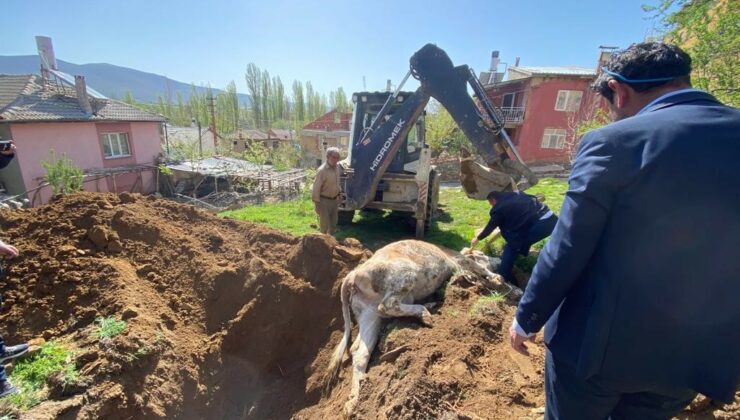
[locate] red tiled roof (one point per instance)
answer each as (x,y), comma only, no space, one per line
(328,122)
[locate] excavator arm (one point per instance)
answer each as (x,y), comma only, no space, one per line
(480,122)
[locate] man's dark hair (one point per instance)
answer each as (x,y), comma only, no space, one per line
(645,61)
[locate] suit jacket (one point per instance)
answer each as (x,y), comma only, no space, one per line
(640,280)
(5,160)
(514,214)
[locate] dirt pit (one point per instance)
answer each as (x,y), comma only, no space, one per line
(228,319)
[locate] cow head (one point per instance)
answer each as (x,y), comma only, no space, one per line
(478,264)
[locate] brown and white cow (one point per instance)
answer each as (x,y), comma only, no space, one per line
(387,285)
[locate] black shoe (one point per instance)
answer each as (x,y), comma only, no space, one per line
(11,352)
(8,389)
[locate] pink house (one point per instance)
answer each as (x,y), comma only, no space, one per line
(115,144)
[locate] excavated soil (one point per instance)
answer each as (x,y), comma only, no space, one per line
(227,319)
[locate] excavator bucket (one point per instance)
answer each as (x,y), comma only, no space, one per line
(478,180)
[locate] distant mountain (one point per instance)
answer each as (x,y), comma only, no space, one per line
(112,81)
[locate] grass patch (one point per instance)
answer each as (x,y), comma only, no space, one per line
(453,226)
(485,301)
(109,327)
(29,375)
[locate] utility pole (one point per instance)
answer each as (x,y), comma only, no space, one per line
(212,106)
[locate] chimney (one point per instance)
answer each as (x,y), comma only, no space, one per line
(494,61)
(388,85)
(82,98)
(516,62)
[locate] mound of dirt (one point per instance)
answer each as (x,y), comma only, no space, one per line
(222,316)
(227,319)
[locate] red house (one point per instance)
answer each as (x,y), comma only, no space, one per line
(330,129)
(541,107)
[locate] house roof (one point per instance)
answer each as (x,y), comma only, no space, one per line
(219,166)
(328,121)
(33,100)
(281,134)
(251,134)
(553,71)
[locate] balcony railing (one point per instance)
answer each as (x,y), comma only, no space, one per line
(512,114)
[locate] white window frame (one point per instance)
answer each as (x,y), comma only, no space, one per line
(115,142)
(553,138)
(571,100)
(513,100)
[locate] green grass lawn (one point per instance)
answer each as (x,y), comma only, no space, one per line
(453,227)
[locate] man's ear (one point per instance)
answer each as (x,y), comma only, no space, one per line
(621,93)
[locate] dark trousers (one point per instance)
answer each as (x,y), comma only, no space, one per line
(569,397)
(3,376)
(537,232)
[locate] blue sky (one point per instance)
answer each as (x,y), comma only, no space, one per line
(330,43)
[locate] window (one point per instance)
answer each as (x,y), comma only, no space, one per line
(343,141)
(508,100)
(568,100)
(115,145)
(554,138)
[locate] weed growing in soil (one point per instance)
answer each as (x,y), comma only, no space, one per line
(29,375)
(485,301)
(109,327)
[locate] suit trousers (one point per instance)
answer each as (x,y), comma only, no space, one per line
(328,214)
(540,230)
(569,397)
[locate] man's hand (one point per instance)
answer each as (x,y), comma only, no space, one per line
(473,243)
(316,207)
(8,250)
(517,341)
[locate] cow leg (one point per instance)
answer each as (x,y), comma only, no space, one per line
(392,306)
(369,322)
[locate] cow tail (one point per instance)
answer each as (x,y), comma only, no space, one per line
(342,347)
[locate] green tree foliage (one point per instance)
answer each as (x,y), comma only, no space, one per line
(62,174)
(599,119)
(709,30)
(284,157)
(254,86)
(298,102)
(338,100)
(442,133)
(128,97)
(267,111)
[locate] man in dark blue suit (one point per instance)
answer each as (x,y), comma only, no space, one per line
(639,283)
(523,221)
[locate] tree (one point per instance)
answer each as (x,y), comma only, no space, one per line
(340,100)
(128,97)
(298,102)
(62,174)
(590,115)
(442,132)
(265,98)
(709,31)
(254,86)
